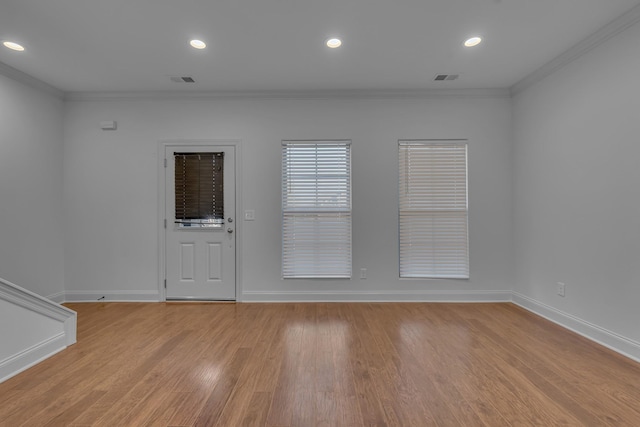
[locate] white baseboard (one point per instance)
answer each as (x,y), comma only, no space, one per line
(25,359)
(378,296)
(57,297)
(112,296)
(611,340)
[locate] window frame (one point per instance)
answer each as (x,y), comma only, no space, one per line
(414,271)
(342,210)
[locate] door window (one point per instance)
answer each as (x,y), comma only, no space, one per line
(199,189)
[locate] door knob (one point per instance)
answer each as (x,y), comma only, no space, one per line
(229,230)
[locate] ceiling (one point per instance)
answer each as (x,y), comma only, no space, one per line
(278,45)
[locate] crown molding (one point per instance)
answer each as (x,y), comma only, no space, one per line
(24,78)
(320,94)
(610,30)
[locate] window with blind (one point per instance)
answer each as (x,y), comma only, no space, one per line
(199,189)
(433,209)
(316,209)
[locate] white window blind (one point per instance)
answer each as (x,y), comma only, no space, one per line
(433,209)
(316,209)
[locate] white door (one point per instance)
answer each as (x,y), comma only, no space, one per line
(200,242)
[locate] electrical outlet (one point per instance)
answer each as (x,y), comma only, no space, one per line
(560,289)
(363,273)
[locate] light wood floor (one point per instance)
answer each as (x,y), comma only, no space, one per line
(322,365)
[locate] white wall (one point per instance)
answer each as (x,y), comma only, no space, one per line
(31,155)
(577,177)
(110,186)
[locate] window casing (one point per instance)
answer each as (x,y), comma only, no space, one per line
(316,209)
(433,209)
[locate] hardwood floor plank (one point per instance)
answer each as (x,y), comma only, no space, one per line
(514,367)
(564,365)
(347,407)
(325,378)
(325,364)
(281,410)
(258,409)
(205,367)
(304,402)
(395,387)
(431,341)
(166,408)
(213,407)
(125,409)
(364,377)
(237,405)
(424,384)
(269,372)
(488,378)
(70,413)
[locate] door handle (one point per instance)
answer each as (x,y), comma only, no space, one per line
(229,230)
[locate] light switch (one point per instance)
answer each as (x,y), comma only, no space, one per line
(249,215)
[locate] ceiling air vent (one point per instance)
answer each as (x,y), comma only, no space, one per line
(185,79)
(446,77)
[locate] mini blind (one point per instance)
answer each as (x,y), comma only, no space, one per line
(433,211)
(199,189)
(316,209)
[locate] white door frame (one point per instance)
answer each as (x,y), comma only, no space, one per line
(162,146)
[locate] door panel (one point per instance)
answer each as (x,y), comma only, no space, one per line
(187,261)
(200,234)
(215,261)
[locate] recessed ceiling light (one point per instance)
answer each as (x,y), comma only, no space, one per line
(473,41)
(198,44)
(13,46)
(334,43)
